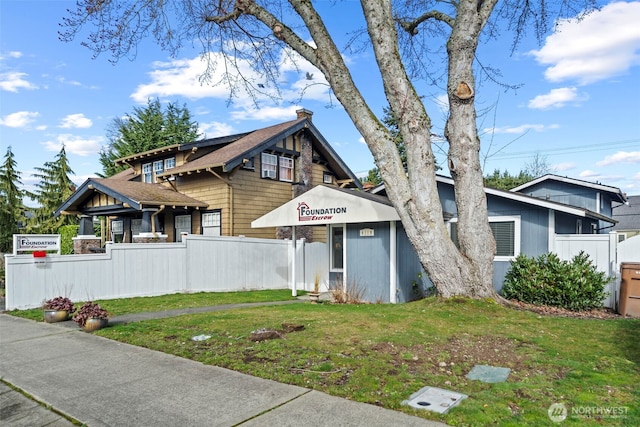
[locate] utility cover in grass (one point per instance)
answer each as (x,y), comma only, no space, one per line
(434,399)
(489,374)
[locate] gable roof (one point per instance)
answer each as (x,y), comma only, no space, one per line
(523,198)
(244,146)
(615,192)
(628,215)
(133,195)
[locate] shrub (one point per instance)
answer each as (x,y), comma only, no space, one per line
(67,233)
(59,303)
(547,280)
(90,310)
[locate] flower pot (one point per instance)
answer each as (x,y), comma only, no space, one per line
(314,297)
(93,324)
(53,316)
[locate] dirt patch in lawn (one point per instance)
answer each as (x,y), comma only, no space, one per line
(600,313)
(459,354)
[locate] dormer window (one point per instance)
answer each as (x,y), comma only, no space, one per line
(147,173)
(151,170)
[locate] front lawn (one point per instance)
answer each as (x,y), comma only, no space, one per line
(381,354)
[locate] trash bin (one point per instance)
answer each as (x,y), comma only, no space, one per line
(629,303)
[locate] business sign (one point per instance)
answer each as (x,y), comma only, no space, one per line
(36,242)
(305,213)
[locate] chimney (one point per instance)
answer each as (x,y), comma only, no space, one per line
(304,114)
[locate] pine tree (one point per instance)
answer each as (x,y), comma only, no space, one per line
(11,205)
(146,129)
(54,188)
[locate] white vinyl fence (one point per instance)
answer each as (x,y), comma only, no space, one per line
(605,252)
(197,264)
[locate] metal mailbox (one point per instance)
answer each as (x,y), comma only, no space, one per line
(629,303)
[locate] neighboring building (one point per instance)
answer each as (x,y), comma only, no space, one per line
(369,248)
(215,186)
(628,217)
(595,197)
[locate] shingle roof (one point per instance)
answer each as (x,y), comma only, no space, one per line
(224,155)
(137,195)
(628,215)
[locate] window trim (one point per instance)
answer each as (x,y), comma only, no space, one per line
(147,173)
(332,267)
(219,226)
(273,167)
(516,219)
(289,168)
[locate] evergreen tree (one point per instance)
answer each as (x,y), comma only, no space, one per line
(52,190)
(506,181)
(11,205)
(146,129)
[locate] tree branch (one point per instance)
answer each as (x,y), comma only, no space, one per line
(411,27)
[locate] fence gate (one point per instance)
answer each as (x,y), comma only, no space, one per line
(601,249)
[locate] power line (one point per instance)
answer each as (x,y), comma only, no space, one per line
(568,150)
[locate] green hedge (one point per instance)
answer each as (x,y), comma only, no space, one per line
(546,280)
(67,233)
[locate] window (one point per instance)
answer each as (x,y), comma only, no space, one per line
(327,178)
(286,169)
(158,167)
(183,225)
(117,231)
(212,223)
(506,233)
(337,247)
(248,164)
(269,165)
(275,167)
(169,163)
(136,226)
(622,237)
(147,173)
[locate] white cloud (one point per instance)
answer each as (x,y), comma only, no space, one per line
(78,121)
(299,81)
(74,144)
(266,113)
(556,98)
(561,167)
(179,77)
(19,120)
(214,129)
(603,44)
(13,81)
(588,174)
(620,157)
(521,129)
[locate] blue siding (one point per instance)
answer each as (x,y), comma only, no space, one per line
(564,192)
(409,270)
(368,261)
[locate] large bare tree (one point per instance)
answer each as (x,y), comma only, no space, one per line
(403,35)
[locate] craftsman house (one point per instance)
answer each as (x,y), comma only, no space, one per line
(214,186)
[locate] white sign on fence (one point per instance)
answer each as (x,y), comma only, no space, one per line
(36,242)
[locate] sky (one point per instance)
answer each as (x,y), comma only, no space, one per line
(570,99)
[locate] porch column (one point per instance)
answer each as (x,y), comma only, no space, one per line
(86,241)
(86,226)
(145,227)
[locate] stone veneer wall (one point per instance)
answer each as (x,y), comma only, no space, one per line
(84,244)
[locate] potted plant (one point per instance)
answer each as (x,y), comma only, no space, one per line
(91,317)
(58,309)
(314,296)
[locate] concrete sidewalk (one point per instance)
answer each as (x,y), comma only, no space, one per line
(100,382)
